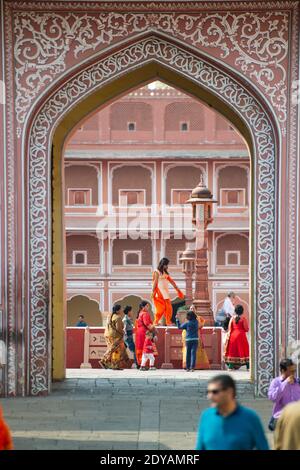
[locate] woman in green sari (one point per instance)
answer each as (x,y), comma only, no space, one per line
(116,355)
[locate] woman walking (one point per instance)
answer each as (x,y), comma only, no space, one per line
(236,353)
(143,324)
(116,355)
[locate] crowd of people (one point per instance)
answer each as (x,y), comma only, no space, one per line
(226,424)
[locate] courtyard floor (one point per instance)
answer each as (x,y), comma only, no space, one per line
(100,409)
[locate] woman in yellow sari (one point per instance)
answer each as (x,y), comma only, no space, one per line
(116,355)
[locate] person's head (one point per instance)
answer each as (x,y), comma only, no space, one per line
(287,367)
(221,390)
(144,305)
(239,310)
(117,309)
(163,265)
(81,317)
(191,315)
(128,310)
(231,295)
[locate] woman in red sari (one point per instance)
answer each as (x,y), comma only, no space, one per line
(143,324)
(236,353)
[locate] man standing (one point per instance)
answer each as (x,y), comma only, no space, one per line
(283,390)
(227,425)
(228,309)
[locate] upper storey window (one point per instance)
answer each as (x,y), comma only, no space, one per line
(131,126)
(131,197)
(79,197)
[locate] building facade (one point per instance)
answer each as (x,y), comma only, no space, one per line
(61,61)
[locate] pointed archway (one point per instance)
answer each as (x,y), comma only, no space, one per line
(82,93)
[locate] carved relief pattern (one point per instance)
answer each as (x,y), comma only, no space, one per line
(208,77)
(255,43)
(11,246)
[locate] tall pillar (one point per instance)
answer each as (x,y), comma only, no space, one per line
(188,266)
(202,200)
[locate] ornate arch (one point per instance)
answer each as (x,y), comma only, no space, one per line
(252,112)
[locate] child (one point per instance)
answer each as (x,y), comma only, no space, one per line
(5,437)
(148,351)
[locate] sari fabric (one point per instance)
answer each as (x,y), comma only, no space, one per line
(116,355)
(143,323)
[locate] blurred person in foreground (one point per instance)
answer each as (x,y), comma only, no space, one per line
(283,390)
(287,432)
(227,425)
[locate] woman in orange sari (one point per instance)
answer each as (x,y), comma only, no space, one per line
(160,292)
(116,355)
(142,325)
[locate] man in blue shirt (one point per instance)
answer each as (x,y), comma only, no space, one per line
(81,322)
(228,425)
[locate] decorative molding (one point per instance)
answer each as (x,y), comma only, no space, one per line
(209,78)
(156,5)
(254,43)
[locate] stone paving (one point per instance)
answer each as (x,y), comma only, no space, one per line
(119,410)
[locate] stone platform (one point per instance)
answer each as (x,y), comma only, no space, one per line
(171,381)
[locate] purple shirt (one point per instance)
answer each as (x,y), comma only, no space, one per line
(281,393)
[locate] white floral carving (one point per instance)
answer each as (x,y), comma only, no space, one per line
(229,91)
(44,42)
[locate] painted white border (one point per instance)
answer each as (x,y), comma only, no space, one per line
(130,252)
